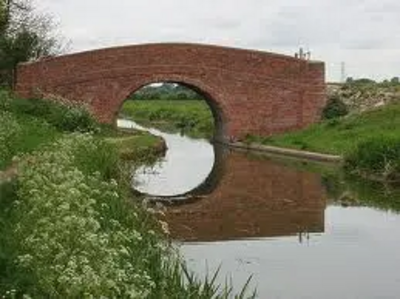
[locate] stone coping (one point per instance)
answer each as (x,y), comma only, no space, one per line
(287,152)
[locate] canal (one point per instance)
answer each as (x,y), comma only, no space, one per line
(301,230)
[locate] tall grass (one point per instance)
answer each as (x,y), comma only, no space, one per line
(378,157)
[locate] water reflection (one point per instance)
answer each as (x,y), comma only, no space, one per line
(254,198)
(302,231)
(174,174)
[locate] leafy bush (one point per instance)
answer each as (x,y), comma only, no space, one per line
(378,156)
(334,108)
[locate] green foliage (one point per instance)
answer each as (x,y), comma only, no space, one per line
(141,147)
(395,80)
(191,117)
(10,132)
(74,234)
(334,108)
(20,135)
(369,84)
(340,136)
(27,124)
(361,81)
(65,116)
(24,35)
(378,156)
(171,107)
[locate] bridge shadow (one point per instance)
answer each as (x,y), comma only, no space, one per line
(249,197)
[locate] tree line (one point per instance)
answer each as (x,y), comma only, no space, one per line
(395,81)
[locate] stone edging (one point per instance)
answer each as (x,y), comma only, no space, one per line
(287,152)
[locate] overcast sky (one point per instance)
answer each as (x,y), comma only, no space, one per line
(365,34)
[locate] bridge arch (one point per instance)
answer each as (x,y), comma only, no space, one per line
(250,92)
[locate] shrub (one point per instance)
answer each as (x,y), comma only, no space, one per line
(74,119)
(334,108)
(377,156)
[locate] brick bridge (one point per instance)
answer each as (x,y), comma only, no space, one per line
(248,91)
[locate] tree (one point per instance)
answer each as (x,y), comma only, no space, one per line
(24,35)
(395,80)
(349,80)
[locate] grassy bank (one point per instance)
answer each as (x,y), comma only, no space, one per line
(140,146)
(369,141)
(193,117)
(22,134)
(340,136)
(69,224)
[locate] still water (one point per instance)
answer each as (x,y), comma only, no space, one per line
(303,231)
(165,178)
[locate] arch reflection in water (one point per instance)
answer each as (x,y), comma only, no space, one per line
(256,197)
(174,175)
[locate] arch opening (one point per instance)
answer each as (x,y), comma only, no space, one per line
(189,120)
(180,91)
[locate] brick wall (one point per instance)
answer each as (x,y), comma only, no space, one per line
(250,91)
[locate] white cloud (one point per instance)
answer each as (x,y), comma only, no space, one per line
(363,33)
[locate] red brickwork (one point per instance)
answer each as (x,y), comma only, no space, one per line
(249,91)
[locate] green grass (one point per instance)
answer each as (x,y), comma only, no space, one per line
(340,136)
(31,133)
(34,133)
(141,146)
(27,124)
(193,117)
